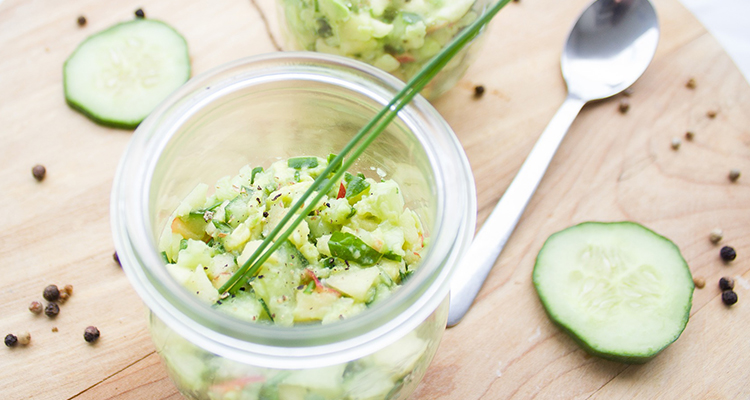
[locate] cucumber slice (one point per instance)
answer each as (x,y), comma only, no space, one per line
(620,290)
(118,76)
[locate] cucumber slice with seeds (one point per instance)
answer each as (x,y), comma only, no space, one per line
(118,76)
(620,290)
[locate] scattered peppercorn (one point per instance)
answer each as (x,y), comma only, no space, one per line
(51,310)
(39,172)
(51,293)
(10,340)
(624,106)
(478,91)
(699,282)
(24,338)
(734,174)
(711,114)
(729,297)
(676,142)
(36,307)
(726,283)
(689,135)
(716,235)
(54,329)
(727,253)
(690,83)
(139,13)
(68,289)
(81,20)
(91,334)
(265,214)
(116,258)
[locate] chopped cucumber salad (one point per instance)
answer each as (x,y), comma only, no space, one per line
(357,246)
(398,36)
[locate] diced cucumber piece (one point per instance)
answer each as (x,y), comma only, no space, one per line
(118,76)
(620,290)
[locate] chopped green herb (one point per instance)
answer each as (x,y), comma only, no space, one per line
(351,248)
(183,244)
(223,227)
(265,308)
(296,176)
(331,157)
(302,162)
(392,256)
(310,287)
(355,184)
(256,171)
(165,257)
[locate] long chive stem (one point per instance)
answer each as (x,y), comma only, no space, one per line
(379,122)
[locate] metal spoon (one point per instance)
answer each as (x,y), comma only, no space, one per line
(607,50)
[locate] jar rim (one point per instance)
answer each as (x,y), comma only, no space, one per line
(270,345)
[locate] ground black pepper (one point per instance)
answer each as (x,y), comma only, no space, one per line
(729,297)
(52,310)
(727,253)
(139,13)
(91,334)
(39,172)
(10,340)
(51,293)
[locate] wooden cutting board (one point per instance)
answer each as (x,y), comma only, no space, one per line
(612,166)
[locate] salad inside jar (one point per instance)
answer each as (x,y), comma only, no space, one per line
(358,245)
(398,36)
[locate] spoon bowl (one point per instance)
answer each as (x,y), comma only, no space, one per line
(607,50)
(609,47)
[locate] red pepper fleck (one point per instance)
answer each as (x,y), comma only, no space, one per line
(342,191)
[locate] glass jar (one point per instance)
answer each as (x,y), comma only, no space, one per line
(258,110)
(397,36)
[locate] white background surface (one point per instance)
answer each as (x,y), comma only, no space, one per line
(729,22)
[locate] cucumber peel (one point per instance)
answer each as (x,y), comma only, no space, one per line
(116,77)
(620,290)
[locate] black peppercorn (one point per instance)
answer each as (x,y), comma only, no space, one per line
(727,253)
(478,91)
(39,172)
(116,258)
(139,13)
(726,283)
(91,334)
(10,340)
(81,20)
(51,293)
(729,297)
(51,310)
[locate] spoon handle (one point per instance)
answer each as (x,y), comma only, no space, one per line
(490,240)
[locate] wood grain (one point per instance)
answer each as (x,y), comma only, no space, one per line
(612,166)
